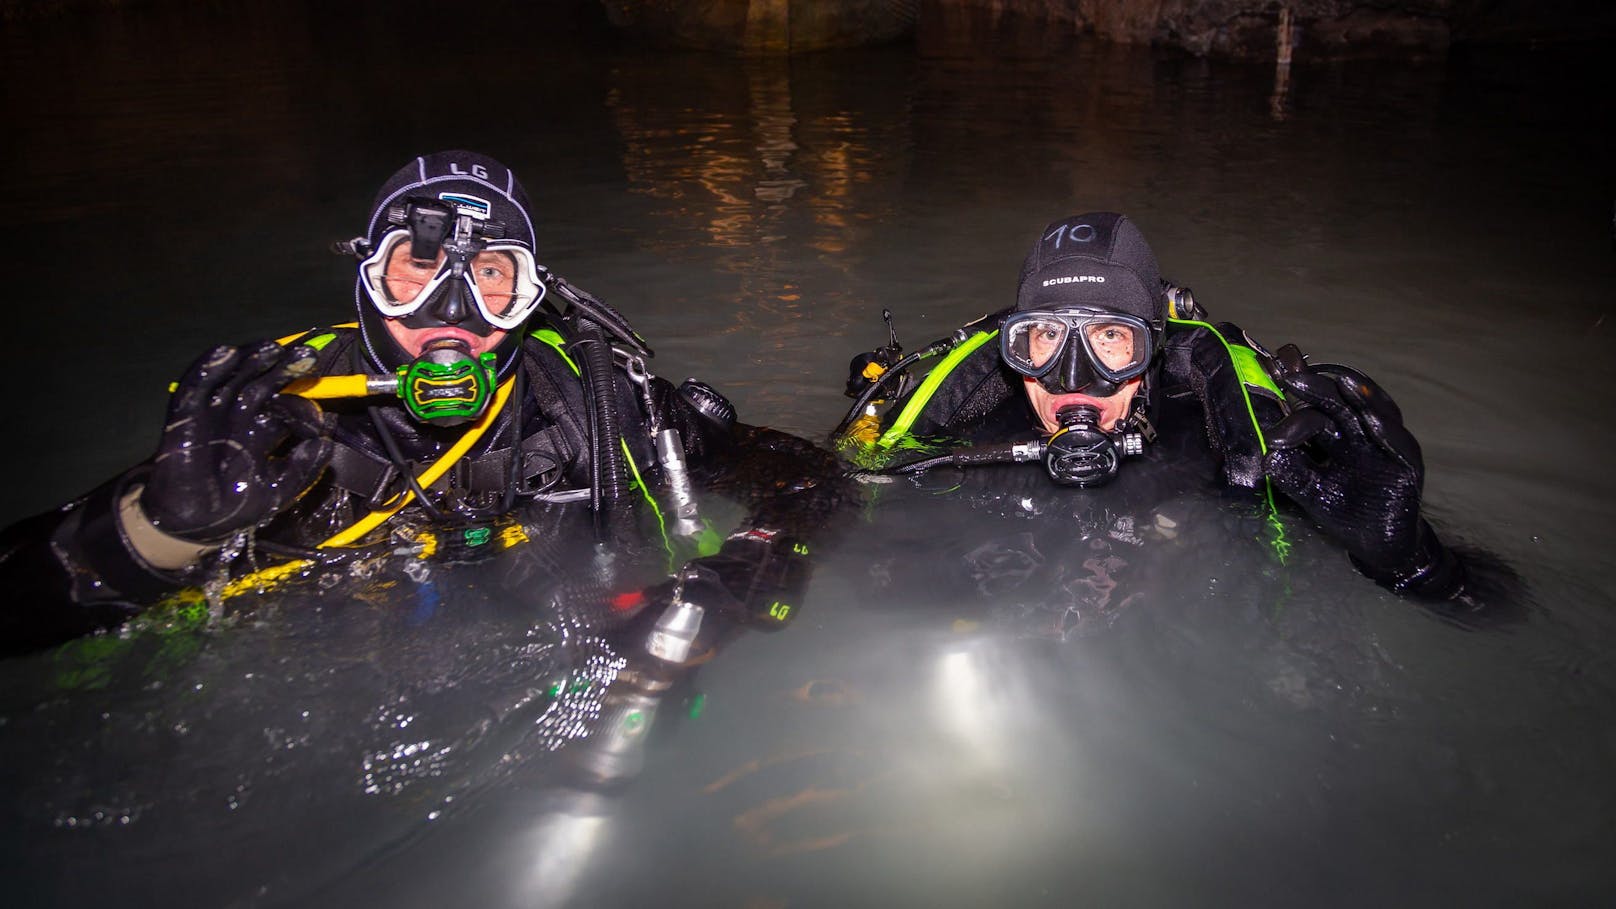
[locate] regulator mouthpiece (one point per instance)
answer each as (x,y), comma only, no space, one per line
(1082,454)
(445,386)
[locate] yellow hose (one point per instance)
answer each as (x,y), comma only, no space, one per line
(431,474)
(325,387)
(277,573)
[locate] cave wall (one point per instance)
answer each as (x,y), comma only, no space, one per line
(1237,28)
(1320,29)
(765,26)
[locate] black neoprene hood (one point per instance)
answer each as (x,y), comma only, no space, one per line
(438,176)
(1092,259)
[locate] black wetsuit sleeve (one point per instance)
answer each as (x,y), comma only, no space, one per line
(72,571)
(787,483)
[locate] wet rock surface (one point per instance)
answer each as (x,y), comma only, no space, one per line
(1319,29)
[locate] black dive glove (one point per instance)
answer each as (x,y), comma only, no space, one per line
(235,451)
(756,578)
(1344,456)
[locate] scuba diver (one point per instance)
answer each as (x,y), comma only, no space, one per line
(475,387)
(1116,383)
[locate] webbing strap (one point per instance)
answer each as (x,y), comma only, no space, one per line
(430,475)
(1245,361)
(933,380)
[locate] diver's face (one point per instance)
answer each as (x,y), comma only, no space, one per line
(495,274)
(1112,407)
(1113,344)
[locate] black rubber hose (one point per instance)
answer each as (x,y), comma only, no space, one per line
(897,369)
(608,472)
(403,466)
(963,457)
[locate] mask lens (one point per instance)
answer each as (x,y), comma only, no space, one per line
(404,276)
(394,281)
(1117,347)
(495,276)
(1032,345)
(507,282)
(503,279)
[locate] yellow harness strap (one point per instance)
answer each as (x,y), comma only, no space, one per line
(430,475)
(276,573)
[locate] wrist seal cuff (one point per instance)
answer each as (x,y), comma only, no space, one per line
(160,550)
(1434,574)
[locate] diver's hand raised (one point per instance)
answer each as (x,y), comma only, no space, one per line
(1345,457)
(235,451)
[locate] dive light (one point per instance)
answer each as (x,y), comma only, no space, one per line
(443,386)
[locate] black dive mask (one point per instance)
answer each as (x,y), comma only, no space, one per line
(1082,454)
(1074,373)
(1086,349)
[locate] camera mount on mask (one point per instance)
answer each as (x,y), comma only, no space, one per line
(434,225)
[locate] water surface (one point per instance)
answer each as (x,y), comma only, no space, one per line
(1242,732)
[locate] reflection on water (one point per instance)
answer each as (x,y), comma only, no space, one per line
(771,177)
(1241,732)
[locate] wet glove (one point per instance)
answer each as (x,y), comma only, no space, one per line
(1344,456)
(235,451)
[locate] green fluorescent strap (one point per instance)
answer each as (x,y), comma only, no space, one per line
(934,379)
(553,338)
(318,342)
(1243,361)
(662,525)
(1240,370)
(1249,368)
